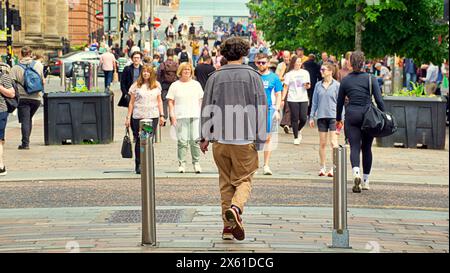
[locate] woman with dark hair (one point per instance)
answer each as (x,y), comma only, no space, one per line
(356,87)
(296,83)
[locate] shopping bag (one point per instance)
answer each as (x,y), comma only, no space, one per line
(127,151)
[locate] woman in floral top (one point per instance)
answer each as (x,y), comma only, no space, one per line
(145,103)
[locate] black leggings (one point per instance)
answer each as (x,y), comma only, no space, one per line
(137,146)
(358,140)
(299,115)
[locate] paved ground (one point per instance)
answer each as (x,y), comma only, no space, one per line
(198,229)
(201,192)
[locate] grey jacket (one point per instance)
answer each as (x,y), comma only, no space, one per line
(234,106)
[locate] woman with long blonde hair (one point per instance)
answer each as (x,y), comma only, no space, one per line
(145,103)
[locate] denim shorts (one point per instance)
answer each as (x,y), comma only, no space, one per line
(326,124)
(3,120)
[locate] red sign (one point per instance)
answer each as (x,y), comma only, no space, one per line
(99,16)
(156,22)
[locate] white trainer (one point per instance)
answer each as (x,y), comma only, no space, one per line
(296,141)
(182,168)
(365,185)
(267,170)
(197,168)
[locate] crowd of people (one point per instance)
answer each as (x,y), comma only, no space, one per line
(193,90)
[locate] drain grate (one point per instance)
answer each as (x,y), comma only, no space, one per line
(134,216)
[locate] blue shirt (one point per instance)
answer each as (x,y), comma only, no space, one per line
(324,101)
(252,54)
(272,85)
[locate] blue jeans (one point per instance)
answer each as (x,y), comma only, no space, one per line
(108,78)
(195,60)
(410,78)
(3,121)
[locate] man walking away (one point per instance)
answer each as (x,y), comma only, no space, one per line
(203,71)
(236,141)
(107,63)
(183,56)
(192,32)
(167,74)
(30,100)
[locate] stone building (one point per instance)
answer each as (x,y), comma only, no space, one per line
(44,24)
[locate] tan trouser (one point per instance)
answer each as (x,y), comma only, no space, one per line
(236,164)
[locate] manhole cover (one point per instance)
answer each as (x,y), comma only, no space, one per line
(134,216)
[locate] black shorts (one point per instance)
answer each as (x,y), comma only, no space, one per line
(326,124)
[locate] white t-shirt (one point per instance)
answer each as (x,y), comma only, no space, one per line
(146,104)
(295,80)
(186,96)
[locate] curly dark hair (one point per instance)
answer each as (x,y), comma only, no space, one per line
(234,48)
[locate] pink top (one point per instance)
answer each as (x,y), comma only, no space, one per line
(107,61)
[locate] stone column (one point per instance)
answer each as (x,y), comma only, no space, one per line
(62,9)
(33,22)
(51,19)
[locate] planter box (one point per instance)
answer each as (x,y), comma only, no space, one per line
(421,121)
(78,117)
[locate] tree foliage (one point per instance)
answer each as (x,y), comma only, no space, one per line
(406,27)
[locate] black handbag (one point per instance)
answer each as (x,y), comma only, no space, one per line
(127,151)
(124,101)
(377,123)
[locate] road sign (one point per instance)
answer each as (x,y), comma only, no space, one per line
(99,16)
(156,22)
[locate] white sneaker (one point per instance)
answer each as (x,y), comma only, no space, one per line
(365,185)
(267,170)
(197,168)
(297,141)
(182,168)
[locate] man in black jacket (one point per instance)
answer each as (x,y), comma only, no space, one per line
(314,73)
(130,75)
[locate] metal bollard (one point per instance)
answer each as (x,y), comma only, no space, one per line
(62,75)
(95,75)
(146,136)
(340,237)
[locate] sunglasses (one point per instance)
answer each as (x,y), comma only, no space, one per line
(261,63)
(323,69)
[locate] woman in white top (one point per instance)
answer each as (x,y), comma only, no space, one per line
(145,103)
(296,83)
(185,99)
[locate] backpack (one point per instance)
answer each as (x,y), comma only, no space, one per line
(32,81)
(184,57)
(12,103)
(170,71)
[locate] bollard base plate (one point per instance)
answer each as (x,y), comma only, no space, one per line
(340,240)
(150,244)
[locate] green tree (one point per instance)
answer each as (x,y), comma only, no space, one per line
(378,27)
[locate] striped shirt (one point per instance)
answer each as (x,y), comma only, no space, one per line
(6,82)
